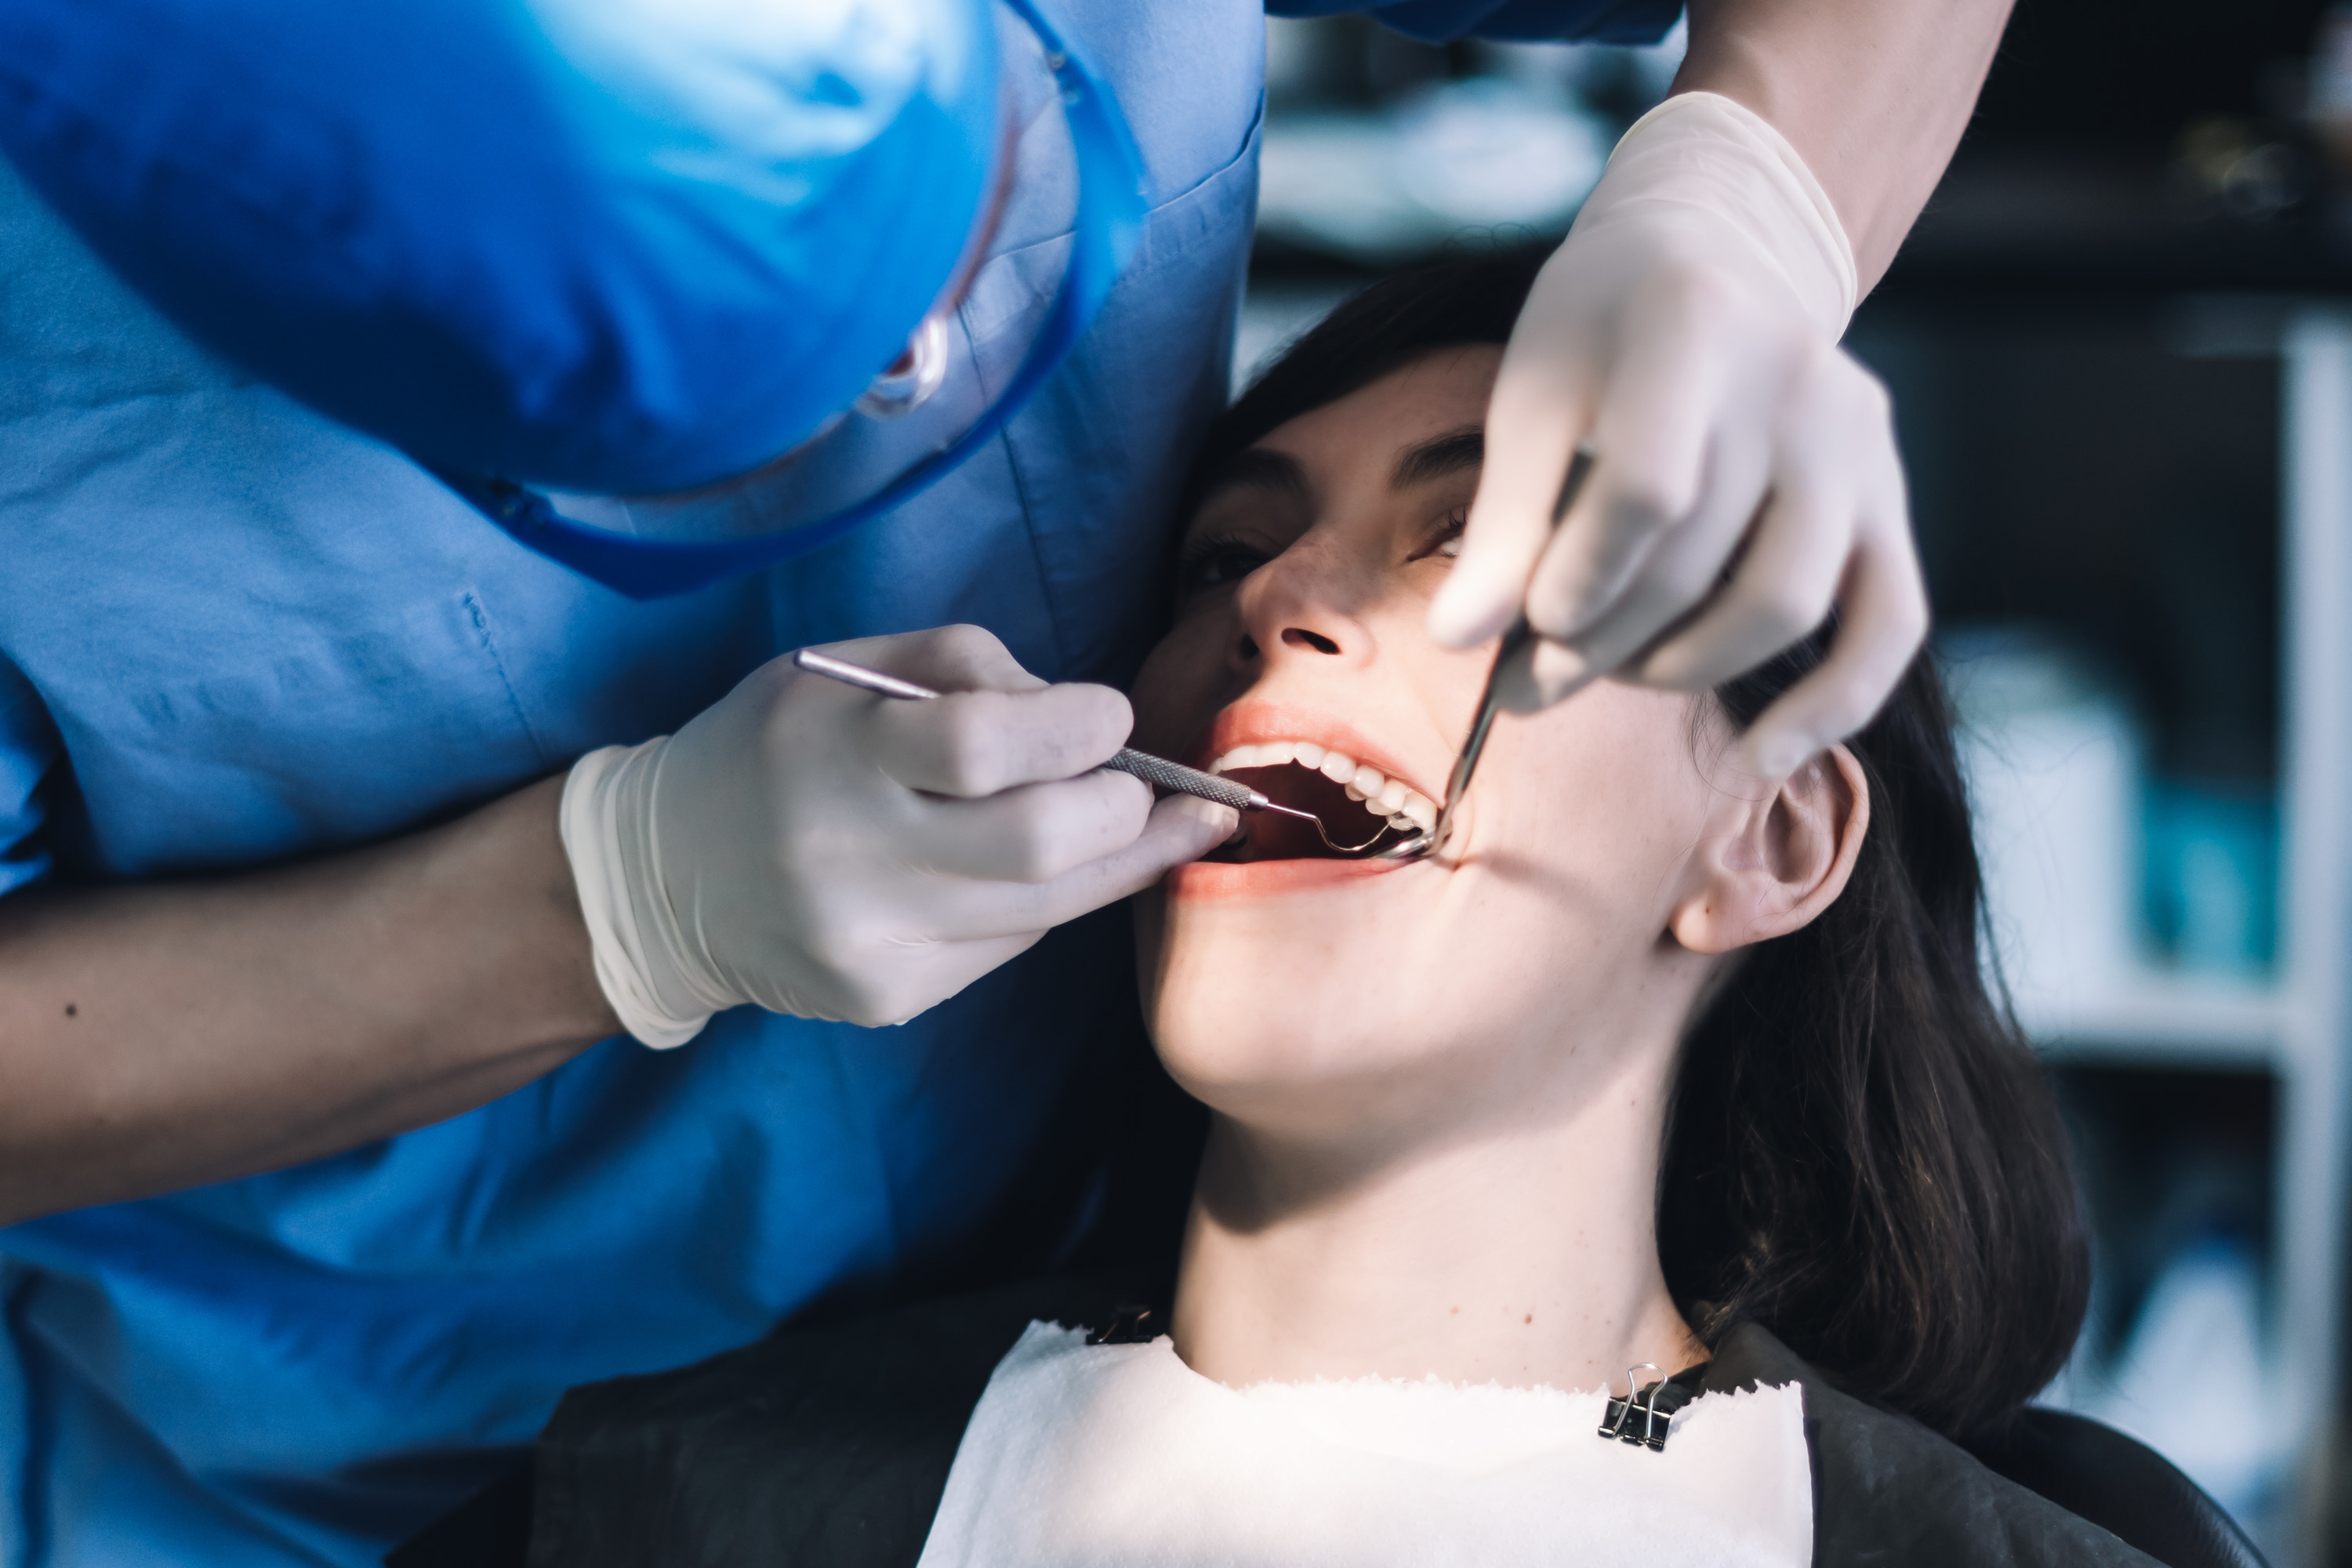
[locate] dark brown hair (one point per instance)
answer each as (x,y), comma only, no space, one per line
(1863,1154)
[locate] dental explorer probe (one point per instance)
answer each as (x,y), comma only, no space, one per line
(1490,700)
(1155,771)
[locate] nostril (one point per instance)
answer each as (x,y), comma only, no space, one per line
(1249,646)
(1298,636)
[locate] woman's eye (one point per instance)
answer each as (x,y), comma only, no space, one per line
(1214,565)
(1445,540)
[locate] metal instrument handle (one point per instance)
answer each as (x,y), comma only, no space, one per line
(1158,772)
(1161,773)
(1514,643)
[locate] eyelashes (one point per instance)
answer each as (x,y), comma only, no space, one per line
(1446,538)
(1220,560)
(1215,560)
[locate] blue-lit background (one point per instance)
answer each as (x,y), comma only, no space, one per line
(2121,346)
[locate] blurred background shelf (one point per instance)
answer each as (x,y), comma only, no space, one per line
(2161,1018)
(2120,341)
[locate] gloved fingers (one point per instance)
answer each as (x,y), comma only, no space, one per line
(961,929)
(922,974)
(975,743)
(1780,586)
(1661,462)
(1034,833)
(1881,620)
(1881,601)
(1547,673)
(1179,829)
(1540,408)
(1692,562)
(1188,819)
(945,659)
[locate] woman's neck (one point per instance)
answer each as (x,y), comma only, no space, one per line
(1524,1255)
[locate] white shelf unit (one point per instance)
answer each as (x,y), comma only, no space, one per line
(2297,1026)
(2314,992)
(2162,1018)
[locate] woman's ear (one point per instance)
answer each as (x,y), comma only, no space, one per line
(1767,867)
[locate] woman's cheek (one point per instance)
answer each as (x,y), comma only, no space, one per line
(1175,690)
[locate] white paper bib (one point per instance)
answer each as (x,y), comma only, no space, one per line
(1122,1457)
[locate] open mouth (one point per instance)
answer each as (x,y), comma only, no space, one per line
(1356,805)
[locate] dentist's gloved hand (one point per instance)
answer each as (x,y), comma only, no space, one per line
(819,850)
(1687,331)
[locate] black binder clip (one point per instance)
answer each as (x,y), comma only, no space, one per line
(1130,1324)
(1643,1416)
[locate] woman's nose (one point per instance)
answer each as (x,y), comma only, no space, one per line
(1286,614)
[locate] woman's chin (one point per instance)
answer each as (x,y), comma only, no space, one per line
(1305,976)
(1260,1027)
(1278,1079)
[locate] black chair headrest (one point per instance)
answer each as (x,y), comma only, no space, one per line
(2121,1484)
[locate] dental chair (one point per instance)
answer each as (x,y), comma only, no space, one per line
(2089,1470)
(2095,1471)
(2121,1484)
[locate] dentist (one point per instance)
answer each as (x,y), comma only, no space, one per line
(370,774)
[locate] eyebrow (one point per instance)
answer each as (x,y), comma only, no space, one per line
(1258,469)
(1439,457)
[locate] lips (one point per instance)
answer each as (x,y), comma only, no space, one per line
(1256,723)
(1310,759)
(1221,881)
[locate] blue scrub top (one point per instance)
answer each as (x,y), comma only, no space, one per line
(231,632)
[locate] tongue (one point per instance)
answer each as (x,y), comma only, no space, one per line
(1274,836)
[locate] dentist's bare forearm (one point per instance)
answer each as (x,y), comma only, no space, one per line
(1874,94)
(159,1035)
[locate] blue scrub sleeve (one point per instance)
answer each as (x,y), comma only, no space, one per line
(1523,21)
(29,749)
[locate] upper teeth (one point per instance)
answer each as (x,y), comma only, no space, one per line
(1406,809)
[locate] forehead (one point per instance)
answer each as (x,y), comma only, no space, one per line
(1445,389)
(1387,428)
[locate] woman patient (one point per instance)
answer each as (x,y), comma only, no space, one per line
(1654,1066)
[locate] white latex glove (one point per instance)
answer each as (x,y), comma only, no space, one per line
(1687,329)
(822,851)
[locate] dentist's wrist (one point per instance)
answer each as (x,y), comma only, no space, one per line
(1704,168)
(655,979)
